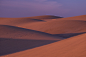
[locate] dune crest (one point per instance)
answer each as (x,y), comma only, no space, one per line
(81,17)
(46,17)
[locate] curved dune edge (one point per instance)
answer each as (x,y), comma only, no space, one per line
(75,24)
(46,17)
(58,26)
(25,20)
(65,26)
(71,47)
(31,29)
(14,39)
(13,32)
(17,21)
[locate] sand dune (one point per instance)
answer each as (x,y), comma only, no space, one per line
(43,36)
(9,45)
(63,26)
(46,17)
(58,26)
(71,47)
(15,39)
(24,20)
(16,21)
(21,33)
(82,17)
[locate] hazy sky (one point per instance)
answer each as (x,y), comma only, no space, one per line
(27,8)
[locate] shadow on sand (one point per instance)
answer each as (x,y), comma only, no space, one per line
(68,35)
(21,30)
(12,29)
(8,46)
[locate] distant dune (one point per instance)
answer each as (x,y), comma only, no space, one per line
(16,21)
(25,20)
(43,36)
(82,17)
(72,47)
(60,26)
(46,17)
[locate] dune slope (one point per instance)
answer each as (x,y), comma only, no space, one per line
(15,39)
(71,47)
(81,17)
(24,20)
(16,21)
(64,27)
(9,45)
(39,36)
(7,31)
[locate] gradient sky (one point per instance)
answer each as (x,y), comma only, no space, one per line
(27,8)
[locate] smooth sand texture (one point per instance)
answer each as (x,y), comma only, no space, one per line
(15,39)
(82,17)
(71,47)
(67,27)
(21,33)
(16,21)
(9,46)
(43,36)
(58,26)
(25,20)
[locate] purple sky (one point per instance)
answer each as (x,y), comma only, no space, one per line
(27,8)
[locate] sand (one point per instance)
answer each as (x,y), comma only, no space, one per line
(21,33)
(71,47)
(43,36)
(62,26)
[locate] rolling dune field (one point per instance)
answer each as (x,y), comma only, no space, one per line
(43,36)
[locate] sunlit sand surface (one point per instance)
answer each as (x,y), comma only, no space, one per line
(43,36)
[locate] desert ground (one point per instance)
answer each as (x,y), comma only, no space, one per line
(43,36)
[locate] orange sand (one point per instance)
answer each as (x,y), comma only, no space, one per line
(72,47)
(43,36)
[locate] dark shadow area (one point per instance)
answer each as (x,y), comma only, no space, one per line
(58,17)
(46,17)
(68,35)
(7,29)
(37,20)
(8,46)
(14,28)
(51,18)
